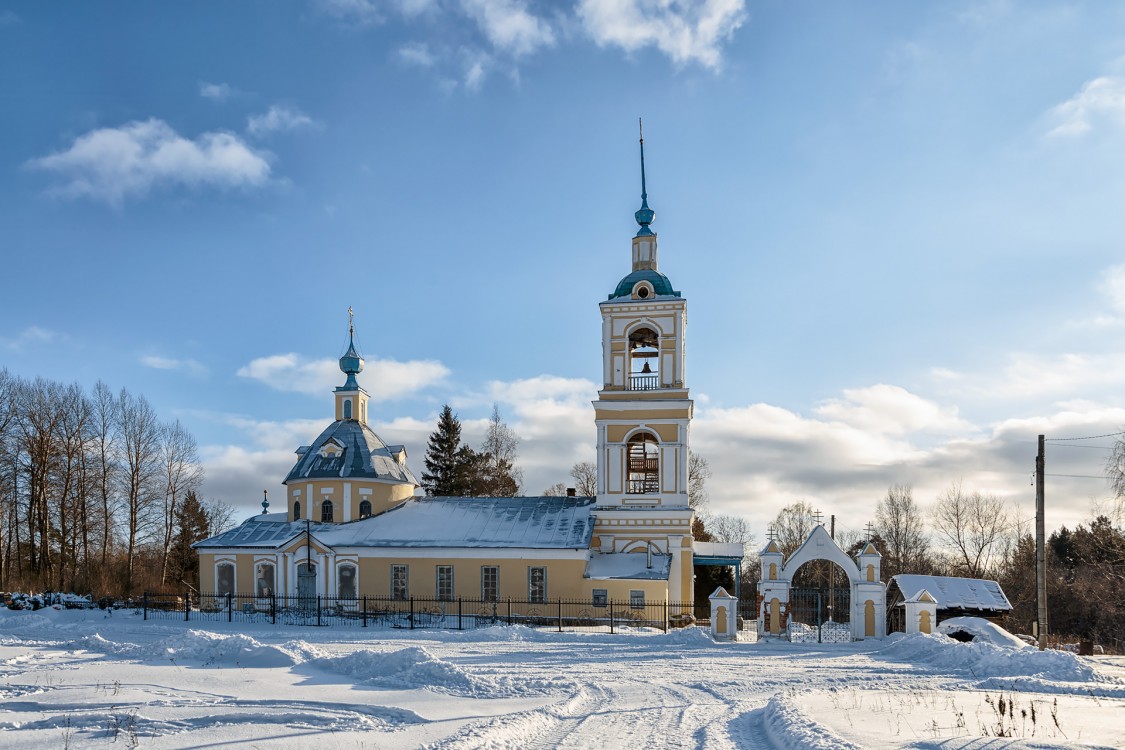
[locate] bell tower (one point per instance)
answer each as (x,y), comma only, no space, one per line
(643,410)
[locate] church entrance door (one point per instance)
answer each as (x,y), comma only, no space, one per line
(306,585)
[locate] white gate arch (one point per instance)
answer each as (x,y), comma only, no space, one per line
(868,593)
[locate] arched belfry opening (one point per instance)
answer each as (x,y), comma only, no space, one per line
(644,360)
(643,463)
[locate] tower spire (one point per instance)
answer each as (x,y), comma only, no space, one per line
(351,364)
(645,215)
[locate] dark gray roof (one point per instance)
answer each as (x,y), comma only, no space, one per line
(364,456)
(497,522)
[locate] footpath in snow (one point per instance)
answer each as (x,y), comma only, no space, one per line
(76,679)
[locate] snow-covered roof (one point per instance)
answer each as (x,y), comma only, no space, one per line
(955,593)
(362,454)
(508,522)
(630,565)
(717,549)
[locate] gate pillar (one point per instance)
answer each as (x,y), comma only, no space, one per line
(724,615)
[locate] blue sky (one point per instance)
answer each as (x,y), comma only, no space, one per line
(897,226)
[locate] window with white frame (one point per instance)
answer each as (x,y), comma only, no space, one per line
(224,578)
(490,583)
(537,584)
(400,583)
(346,581)
(263,579)
(364,508)
(601,597)
(445,583)
(326,511)
(636,599)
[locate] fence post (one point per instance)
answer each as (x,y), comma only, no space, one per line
(365,610)
(509,610)
(459,613)
(412,613)
(144,605)
(230,610)
(666,616)
(560,615)
(611,617)
(318,610)
(187,606)
(273,608)
(819,620)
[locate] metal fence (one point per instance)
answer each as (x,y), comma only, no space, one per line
(415,612)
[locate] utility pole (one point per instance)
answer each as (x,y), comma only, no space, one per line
(1040,549)
(832,576)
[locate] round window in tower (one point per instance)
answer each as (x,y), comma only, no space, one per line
(643,290)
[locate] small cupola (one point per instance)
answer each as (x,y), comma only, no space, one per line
(351,399)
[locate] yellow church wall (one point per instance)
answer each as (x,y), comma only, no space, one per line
(350,493)
(564,577)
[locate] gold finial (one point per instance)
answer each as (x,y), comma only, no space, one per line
(641,127)
(351,320)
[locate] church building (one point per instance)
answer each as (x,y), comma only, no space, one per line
(353,525)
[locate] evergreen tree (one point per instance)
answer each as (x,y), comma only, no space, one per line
(191,526)
(445,457)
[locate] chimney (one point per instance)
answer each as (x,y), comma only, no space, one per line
(571,492)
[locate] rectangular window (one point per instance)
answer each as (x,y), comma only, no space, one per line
(636,599)
(445,583)
(400,582)
(601,597)
(263,578)
(490,583)
(537,584)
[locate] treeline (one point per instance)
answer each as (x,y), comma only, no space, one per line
(977,535)
(97,494)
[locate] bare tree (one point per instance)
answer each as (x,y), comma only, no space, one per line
(105,425)
(500,446)
(7,475)
(220,515)
(585,476)
(792,526)
(900,524)
(182,473)
(558,489)
(140,443)
(699,471)
(972,525)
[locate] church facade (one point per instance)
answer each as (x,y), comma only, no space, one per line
(353,525)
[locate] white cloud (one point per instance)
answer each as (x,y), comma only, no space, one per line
(168,363)
(891,410)
(475,71)
(417,53)
(685,31)
(216,91)
(384,379)
(1100,102)
(111,164)
(1112,285)
(278,118)
(509,25)
(28,336)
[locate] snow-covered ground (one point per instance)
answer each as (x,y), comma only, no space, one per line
(76,679)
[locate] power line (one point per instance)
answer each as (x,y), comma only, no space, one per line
(1088,447)
(1078,476)
(1088,437)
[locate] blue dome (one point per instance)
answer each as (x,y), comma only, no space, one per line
(660,285)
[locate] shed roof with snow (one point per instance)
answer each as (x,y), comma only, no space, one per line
(954,593)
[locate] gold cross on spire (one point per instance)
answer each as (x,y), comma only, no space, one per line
(351,320)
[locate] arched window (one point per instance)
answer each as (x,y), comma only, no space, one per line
(643,464)
(347,408)
(365,509)
(326,511)
(346,581)
(224,578)
(296,510)
(644,360)
(263,579)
